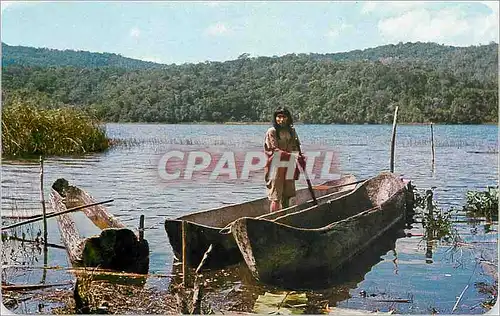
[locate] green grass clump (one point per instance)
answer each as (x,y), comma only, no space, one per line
(483,203)
(31,131)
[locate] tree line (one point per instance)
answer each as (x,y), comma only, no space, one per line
(429,83)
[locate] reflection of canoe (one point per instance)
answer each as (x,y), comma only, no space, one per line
(203,228)
(234,289)
(319,240)
(117,247)
(339,285)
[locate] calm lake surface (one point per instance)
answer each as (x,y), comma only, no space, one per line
(128,173)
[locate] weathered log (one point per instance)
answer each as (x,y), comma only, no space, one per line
(70,236)
(75,197)
(116,248)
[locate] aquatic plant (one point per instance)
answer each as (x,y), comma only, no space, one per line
(483,203)
(437,223)
(20,245)
(28,130)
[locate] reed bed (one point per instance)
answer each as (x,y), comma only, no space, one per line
(31,131)
(199,141)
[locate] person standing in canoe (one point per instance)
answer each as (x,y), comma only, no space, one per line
(281,144)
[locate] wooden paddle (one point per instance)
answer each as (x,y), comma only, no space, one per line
(309,185)
(326,187)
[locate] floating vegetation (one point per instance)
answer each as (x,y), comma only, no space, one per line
(281,303)
(28,130)
(483,203)
(102,297)
(437,223)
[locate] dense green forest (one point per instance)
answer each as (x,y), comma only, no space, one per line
(30,56)
(429,82)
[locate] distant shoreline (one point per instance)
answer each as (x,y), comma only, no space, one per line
(296,123)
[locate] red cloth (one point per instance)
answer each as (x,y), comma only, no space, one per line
(285,156)
(301,160)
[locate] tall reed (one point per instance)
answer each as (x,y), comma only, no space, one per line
(30,131)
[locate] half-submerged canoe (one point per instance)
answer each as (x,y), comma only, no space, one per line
(203,228)
(322,239)
(116,248)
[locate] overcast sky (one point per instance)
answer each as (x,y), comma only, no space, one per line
(179,32)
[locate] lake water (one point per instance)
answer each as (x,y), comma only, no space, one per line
(128,173)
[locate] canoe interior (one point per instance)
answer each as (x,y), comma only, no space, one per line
(198,239)
(203,228)
(224,249)
(310,203)
(369,194)
(222,216)
(322,239)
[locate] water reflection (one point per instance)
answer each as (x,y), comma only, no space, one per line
(128,174)
(234,287)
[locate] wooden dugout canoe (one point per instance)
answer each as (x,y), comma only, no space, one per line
(322,239)
(117,247)
(204,228)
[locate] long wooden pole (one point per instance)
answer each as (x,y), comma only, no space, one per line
(42,200)
(432,145)
(184,261)
(308,181)
(309,185)
(54,214)
(393,139)
(45,261)
(430,209)
(459,299)
(141,228)
(327,187)
(45,230)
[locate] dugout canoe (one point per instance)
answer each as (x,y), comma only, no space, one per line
(322,239)
(203,227)
(116,248)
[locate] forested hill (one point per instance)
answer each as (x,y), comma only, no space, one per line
(480,61)
(429,82)
(46,57)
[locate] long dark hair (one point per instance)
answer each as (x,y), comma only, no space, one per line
(277,127)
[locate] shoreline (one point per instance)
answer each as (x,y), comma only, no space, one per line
(296,123)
